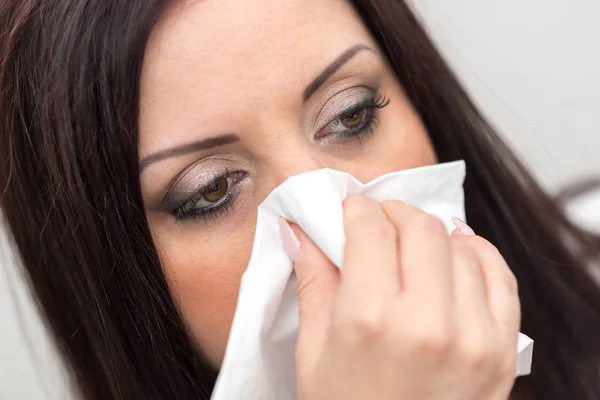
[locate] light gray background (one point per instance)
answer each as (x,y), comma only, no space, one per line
(533,66)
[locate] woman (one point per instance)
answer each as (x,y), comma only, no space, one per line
(140,137)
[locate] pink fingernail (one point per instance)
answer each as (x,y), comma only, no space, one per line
(462,227)
(290,241)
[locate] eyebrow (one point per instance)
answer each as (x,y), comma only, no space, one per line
(193,147)
(222,140)
(332,69)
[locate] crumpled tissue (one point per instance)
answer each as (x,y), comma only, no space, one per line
(259,361)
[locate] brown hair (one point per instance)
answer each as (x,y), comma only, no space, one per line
(69,181)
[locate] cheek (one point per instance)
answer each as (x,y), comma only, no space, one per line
(400,141)
(204,270)
(403,136)
(204,277)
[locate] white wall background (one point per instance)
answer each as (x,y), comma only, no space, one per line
(533,65)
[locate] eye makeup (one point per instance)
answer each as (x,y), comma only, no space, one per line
(208,190)
(346,110)
(356,121)
(213,200)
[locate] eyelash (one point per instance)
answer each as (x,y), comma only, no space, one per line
(219,208)
(222,207)
(366,128)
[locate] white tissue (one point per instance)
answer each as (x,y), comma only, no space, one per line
(259,362)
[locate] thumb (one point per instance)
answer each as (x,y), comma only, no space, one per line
(317,278)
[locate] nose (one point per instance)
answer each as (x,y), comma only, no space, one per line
(291,158)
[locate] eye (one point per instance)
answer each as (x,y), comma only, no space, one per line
(350,120)
(213,200)
(354,118)
(216,190)
(211,196)
(357,121)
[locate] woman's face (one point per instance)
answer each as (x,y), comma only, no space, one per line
(238,95)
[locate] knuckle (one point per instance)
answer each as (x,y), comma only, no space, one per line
(362,327)
(485,249)
(490,252)
(307,283)
(354,206)
(511,282)
(465,252)
(378,228)
(507,368)
(362,219)
(432,340)
(428,223)
(476,355)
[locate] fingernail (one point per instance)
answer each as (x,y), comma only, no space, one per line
(462,227)
(290,241)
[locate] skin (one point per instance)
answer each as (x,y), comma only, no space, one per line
(241,67)
(439,319)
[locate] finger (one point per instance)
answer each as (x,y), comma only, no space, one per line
(469,287)
(317,279)
(500,284)
(370,270)
(471,308)
(425,255)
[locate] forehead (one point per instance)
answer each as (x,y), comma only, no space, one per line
(243,51)
(236,35)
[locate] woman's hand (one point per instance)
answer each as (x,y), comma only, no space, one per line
(414,314)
